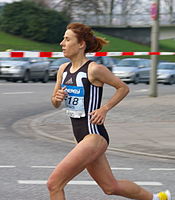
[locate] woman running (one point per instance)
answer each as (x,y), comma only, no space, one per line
(80,85)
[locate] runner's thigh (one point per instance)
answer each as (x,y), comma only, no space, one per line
(85,152)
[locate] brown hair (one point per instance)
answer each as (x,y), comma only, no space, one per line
(85,33)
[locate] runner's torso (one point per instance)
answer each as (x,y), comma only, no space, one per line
(83,97)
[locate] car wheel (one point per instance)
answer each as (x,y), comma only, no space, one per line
(136,79)
(34,80)
(171,80)
(26,77)
(46,77)
(14,80)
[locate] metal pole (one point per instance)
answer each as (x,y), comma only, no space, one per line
(154,47)
(111,11)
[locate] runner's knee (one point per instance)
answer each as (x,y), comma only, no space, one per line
(53,186)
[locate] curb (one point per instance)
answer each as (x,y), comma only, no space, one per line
(34,126)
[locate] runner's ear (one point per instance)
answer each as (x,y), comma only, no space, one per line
(83,44)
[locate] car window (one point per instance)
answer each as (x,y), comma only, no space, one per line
(96,59)
(145,63)
(128,63)
(41,59)
(115,60)
(60,61)
(166,66)
(149,63)
(14,59)
(107,60)
(36,59)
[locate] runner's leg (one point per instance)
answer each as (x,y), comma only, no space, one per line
(102,174)
(85,152)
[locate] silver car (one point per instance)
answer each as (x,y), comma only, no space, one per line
(105,60)
(133,70)
(24,69)
(166,73)
(54,66)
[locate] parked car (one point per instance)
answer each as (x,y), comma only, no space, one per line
(105,60)
(166,73)
(109,62)
(133,70)
(25,69)
(115,60)
(54,66)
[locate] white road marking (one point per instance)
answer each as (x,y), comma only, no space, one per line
(32,182)
(162,169)
(82,183)
(52,167)
(43,182)
(148,183)
(120,168)
(141,90)
(7,166)
(7,93)
(44,167)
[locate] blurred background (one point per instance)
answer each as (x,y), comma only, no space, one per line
(39,25)
(45,21)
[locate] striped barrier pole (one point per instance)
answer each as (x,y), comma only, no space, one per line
(16,54)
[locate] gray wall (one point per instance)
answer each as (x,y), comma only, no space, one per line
(137,34)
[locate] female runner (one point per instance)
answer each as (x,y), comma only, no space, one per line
(80,85)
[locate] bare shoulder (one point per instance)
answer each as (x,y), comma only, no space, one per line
(63,66)
(95,65)
(96,68)
(96,72)
(60,71)
(99,73)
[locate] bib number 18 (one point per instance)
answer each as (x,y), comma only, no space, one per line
(72,100)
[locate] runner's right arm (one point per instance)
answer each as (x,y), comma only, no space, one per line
(58,92)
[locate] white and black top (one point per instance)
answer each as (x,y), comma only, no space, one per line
(83,97)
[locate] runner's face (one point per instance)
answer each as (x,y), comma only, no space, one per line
(70,45)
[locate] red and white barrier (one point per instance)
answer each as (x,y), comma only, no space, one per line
(60,54)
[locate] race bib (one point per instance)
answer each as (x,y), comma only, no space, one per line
(74,101)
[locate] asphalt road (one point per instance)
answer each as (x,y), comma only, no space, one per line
(26,160)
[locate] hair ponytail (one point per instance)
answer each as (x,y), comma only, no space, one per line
(96,45)
(85,33)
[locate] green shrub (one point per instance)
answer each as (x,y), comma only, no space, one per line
(29,20)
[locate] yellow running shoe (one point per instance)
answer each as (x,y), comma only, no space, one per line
(166,195)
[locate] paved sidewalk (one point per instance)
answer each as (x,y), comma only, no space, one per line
(140,125)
